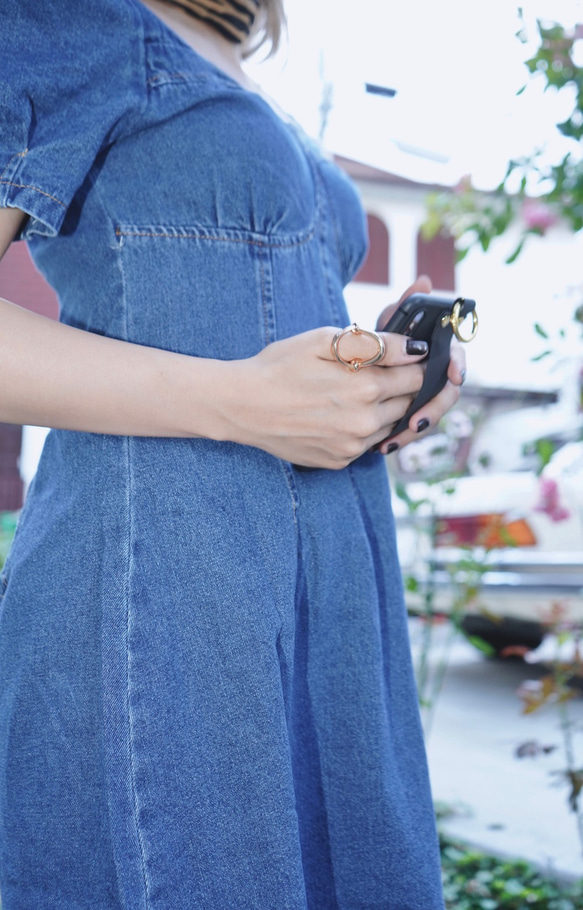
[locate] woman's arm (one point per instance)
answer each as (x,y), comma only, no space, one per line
(11,220)
(58,376)
(292,399)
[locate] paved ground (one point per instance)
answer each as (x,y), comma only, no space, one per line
(507,805)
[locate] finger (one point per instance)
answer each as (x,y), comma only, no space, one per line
(385,315)
(422,285)
(400,349)
(400,381)
(456,372)
(361,345)
(390,413)
(392,443)
(430,414)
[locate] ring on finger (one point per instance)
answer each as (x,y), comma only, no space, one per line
(357,363)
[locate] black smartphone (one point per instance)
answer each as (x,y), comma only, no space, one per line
(429,317)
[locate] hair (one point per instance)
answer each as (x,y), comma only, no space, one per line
(268,28)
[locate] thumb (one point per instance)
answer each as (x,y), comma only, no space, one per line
(421,285)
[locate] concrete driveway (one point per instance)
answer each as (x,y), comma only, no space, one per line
(504,804)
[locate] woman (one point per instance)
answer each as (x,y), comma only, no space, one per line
(206,698)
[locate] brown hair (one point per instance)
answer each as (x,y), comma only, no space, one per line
(268,28)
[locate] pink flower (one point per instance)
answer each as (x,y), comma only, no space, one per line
(538,216)
(549,501)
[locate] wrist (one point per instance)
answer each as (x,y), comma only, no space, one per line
(211,399)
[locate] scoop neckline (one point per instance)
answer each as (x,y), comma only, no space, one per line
(167,30)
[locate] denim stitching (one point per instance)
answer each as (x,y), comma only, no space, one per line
(193,236)
(341,262)
(29,186)
(164,78)
(266,327)
(327,271)
(8,163)
(128,623)
(128,697)
(25,186)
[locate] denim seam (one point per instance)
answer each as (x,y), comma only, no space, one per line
(266,320)
(314,171)
(131,724)
(223,239)
(172,79)
(128,593)
(294,498)
(30,186)
(293,491)
(23,186)
(324,245)
(342,264)
(22,154)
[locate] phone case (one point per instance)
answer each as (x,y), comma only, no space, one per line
(428,317)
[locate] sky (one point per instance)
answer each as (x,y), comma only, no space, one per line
(456,66)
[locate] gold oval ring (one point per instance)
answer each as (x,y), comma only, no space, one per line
(357,363)
(454,319)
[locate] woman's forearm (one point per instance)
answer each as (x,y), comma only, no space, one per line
(58,376)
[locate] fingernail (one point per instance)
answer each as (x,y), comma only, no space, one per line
(416,346)
(423,424)
(392,448)
(463,375)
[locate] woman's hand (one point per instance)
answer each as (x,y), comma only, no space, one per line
(296,401)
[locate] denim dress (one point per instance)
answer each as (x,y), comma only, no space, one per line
(206,692)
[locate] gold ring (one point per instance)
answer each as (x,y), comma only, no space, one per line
(454,319)
(357,363)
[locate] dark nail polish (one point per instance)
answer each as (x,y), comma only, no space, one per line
(422,425)
(416,346)
(463,375)
(392,448)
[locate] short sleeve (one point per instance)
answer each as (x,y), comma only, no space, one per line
(69,86)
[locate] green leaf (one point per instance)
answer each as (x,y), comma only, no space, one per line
(514,256)
(540,356)
(482,645)
(539,330)
(545,450)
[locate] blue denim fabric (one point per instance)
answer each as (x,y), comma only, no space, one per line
(206,694)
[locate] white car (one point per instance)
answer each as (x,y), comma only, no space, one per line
(502,552)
